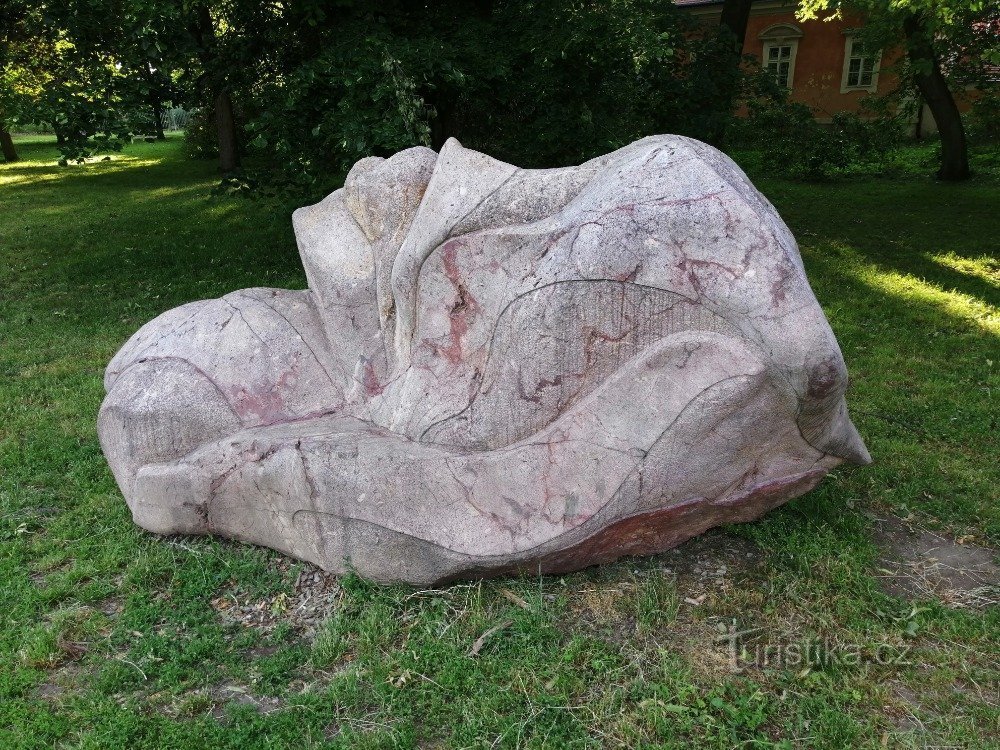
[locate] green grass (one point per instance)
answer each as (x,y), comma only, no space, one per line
(114,638)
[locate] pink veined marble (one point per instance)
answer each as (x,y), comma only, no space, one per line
(493,369)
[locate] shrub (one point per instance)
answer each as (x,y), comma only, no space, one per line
(786,140)
(983,120)
(201,137)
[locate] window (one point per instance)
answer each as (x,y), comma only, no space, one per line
(779,63)
(780,45)
(860,67)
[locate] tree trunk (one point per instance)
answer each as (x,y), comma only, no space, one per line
(157,107)
(9,152)
(202,31)
(934,90)
(733,21)
(443,123)
(225,123)
(735,16)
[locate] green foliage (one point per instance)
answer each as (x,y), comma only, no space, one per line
(54,73)
(317,85)
(351,100)
(201,139)
(984,118)
(575,80)
(201,134)
(964,35)
(786,140)
(541,83)
(82,107)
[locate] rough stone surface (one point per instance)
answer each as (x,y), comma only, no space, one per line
(493,369)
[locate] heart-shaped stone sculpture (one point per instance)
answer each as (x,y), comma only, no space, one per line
(493,369)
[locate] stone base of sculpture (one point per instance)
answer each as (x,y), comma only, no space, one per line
(493,370)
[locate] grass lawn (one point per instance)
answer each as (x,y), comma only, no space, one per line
(114,638)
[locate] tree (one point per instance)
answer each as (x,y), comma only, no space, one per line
(537,82)
(215,82)
(314,85)
(201,50)
(933,88)
(7,144)
(14,37)
(925,28)
(726,58)
(735,16)
(57,70)
(222,48)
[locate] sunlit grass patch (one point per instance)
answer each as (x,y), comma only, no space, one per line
(908,288)
(985,267)
(40,159)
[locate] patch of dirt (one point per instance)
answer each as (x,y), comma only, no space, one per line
(314,597)
(602,604)
(706,564)
(111,606)
(213,701)
(702,569)
(61,681)
(918,563)
(223,695)
(905,710)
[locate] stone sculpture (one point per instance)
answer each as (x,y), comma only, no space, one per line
(493,369)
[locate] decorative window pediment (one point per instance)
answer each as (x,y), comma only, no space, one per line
(780,32)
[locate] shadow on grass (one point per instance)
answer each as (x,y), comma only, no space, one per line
(134,169)
(123,241)
(900,226)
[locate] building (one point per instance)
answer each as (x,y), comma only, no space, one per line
(822,63)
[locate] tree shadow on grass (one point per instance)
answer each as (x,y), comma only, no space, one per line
(138,221)
(31,178)
(920,392)
(900,226)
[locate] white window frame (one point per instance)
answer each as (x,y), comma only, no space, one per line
(781,35)
(845,87)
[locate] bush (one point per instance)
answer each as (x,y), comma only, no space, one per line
(347,102)
(983,120)
(88,129)
(785,140)
(80,146)
(201,137)
(871,141)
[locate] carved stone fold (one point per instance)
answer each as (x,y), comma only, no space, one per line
(493,369)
